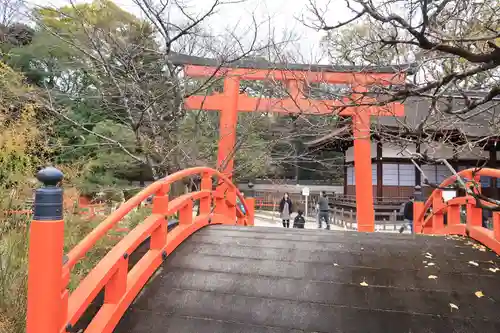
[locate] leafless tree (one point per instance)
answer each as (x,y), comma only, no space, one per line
(11,11)
(450,47)
(448,50)
(147,99)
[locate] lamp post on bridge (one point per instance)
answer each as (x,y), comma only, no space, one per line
(417,193)
(251,192)
(418,207)
(250,201)
(46,256)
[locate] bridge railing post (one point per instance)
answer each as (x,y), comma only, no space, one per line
(474,214)
(220,200)
(206,185)
(418,207)
(496,225)
(437,205)
(160,206)
(251,210)
(230,202)
(186,214)
(453,215)
(45,309)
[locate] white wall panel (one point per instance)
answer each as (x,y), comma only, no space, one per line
(406,175)
(390,174)
(350,175)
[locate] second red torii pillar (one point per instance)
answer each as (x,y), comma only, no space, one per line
(365,213)
(228,123)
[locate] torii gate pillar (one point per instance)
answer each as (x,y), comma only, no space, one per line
(228,122)
(363,172)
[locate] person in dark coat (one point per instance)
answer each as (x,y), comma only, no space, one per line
(408,215)
(299,220)
(286,209)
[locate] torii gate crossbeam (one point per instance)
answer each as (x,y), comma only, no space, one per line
(355,106)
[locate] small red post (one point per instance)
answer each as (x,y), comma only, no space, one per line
(453,214)
(160,206)
(45,312)
(220,200)
(437,206)
(186,213)
(251,210)
(418,208)
(206,185)
(231,202)
(496,225)
(117,284)
(474,214)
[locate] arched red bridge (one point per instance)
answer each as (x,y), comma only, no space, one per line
(216,272)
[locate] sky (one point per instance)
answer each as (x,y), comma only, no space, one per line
(280,16)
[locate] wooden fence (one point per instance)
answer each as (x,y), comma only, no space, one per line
(384,221)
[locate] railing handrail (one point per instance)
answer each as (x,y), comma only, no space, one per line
(115,217)
(434,222)
(52,307)
(450,180)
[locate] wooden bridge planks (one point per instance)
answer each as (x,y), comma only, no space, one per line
(234,279)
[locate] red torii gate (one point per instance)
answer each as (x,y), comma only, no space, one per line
(360,78)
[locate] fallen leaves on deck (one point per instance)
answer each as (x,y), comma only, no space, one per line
(428,255)
(453,306)
(479,294)
(335,264)
(364,284)
(433,277)
(479,247)
(494,269)
(431,264)
(473,263)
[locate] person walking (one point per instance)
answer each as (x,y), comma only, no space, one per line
(286,209)
(323,210)
(408,215)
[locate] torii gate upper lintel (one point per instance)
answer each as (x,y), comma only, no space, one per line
(231,101)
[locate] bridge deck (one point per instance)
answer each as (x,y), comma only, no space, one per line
(234,279)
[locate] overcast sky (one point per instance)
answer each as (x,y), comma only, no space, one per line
(277,15)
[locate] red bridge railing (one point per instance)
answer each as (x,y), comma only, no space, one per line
(431,215)
(53,309)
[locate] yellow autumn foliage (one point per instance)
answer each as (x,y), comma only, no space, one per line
(19,134)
